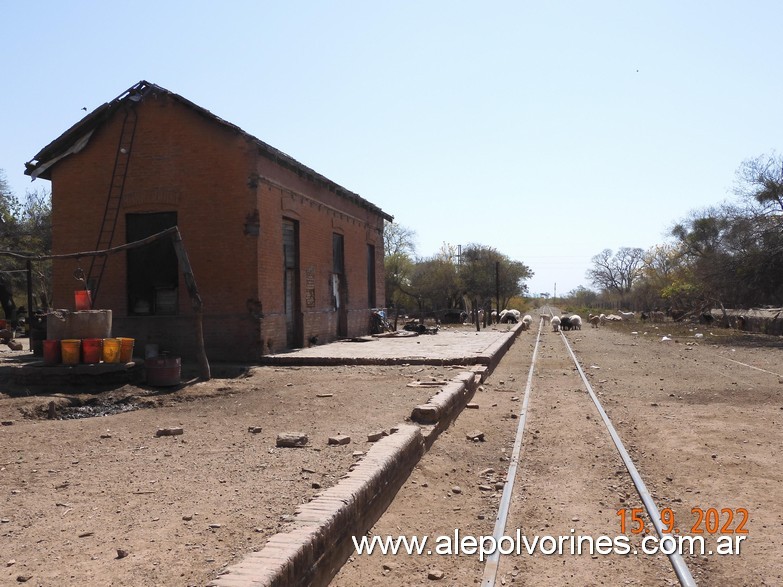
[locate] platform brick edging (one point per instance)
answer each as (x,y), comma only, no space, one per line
(451,397)
(321,539)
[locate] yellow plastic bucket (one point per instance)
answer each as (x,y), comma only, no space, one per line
(71,350)
(111,350)
(126,350)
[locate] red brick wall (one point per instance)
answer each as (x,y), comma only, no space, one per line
(185,162)
(320,213)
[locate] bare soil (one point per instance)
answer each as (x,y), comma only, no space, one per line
(703,431)
(104,501)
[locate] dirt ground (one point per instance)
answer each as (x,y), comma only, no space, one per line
(703,429)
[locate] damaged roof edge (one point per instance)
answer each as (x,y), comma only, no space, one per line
(76,137)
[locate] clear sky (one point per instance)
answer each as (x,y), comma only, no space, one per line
(548,130)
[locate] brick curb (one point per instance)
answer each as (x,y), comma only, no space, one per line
(321,539)
(320,542)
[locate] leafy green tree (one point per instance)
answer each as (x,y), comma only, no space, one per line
(436,284)
(25,228)
(485,273)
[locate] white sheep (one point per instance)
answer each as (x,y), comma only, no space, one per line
(576,322)
(528,319)
(626,315)
(555,324)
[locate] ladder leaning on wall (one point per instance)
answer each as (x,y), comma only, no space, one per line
(116,189)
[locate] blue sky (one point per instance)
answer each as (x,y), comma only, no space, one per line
(548,130)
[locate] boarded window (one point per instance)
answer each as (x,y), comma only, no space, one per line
(153,273)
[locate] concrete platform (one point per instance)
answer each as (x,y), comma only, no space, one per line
(450,346)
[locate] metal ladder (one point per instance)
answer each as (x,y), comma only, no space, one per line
(116,189)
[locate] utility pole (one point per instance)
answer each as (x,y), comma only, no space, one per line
(497,287)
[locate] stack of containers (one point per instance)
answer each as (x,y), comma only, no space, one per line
(84,336)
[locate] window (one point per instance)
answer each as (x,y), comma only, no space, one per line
(153,271)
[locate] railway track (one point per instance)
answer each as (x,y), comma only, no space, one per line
(695,422)
(544,395)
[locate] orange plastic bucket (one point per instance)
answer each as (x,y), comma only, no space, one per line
(126,350)
(111,350)
(52,354)
(70,348)
(82,299)
(91,350)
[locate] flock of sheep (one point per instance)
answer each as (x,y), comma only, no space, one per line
(572,322)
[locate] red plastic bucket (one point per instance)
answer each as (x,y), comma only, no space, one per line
(82,299)
(91,350)
(52,355)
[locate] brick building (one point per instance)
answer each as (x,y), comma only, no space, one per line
(282,256)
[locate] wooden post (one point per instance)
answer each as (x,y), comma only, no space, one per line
(195,298)
(30,302)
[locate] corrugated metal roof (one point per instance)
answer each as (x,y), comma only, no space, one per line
(38,165)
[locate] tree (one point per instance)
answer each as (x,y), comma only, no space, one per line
(761,180)
(398,240)
(436,284)
(485,273)
(616,273)
(733,254)
(25,227)
(399,251)
(581,297)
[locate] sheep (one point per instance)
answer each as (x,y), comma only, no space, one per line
(527,320)
(657,316)
(546,318)
(594,321)
(512,316)
(565,323)
(626,315)
(555,324)
(576,322)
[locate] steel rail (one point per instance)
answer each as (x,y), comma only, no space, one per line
(676,560)
(493,561)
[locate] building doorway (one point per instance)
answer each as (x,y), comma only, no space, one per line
(293,323)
